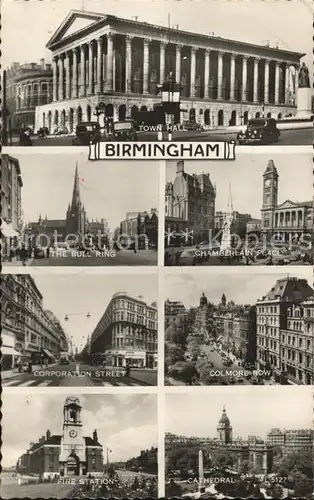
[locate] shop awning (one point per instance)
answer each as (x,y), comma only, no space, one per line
(7,230)
(10,350)
(48,353)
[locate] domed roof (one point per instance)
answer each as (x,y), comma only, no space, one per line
(224,419)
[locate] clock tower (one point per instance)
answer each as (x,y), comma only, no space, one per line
(270,198)
(72,453)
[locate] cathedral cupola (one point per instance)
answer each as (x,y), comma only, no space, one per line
(224,428)
(203,300)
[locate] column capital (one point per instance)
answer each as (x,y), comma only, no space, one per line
(110,35)
(99,40)
(267,60)
(194,49)
(233,55)
(245,57)
(221,53)
(208,51)
(129,38)
(179,47)
(147,41)
(163,44)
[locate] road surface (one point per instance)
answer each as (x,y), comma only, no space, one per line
(295,137)
(68,376)
(122,258)
(43,490)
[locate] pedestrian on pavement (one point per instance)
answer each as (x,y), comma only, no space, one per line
(48,252)
(23,255)
(11,253)
(30,367)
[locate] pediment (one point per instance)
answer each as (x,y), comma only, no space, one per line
(75,22)
(287,204)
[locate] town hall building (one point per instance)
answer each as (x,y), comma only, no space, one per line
(120,62)
(67,454)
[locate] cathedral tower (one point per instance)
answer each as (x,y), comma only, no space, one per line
(76,216)
(224,428)
(270,198)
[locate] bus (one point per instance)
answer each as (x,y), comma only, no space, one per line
(64,358)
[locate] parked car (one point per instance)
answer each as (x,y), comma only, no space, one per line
(85,133)
(124,131)
(39,253)
(191,125)
(259,131)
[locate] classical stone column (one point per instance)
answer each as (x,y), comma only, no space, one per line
(220,74)
(128,63)
(266,82)
(82,90)
(192,71)
(296,81)
(178,62)
(277,82)
(99,65)
(232,75)
(287,84)
(74,73)
(145,64)
(244,78)
(255,79)
(162,62)
(109,61)
(67,76)
(90,68)
(206,73)
(54,80)
(61,76)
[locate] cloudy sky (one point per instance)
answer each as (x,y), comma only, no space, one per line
(237,284)
(290,26)
(67,294)
(126,424)
(247,170)
(108,189)
(251,411)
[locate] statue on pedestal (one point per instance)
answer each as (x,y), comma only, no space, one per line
(304,77)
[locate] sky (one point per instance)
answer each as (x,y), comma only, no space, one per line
(288,24)
(252,411)
(237,284)
(126,424)
(67,294)
(247,170)
(108,189)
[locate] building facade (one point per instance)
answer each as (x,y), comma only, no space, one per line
(173,308)
(141,228)
(67,454)
(104,58)
(292,440)
(289,220)
(203,325)
(11,202)
(28,86)
(28,330)
(284,322)
(191,198)
(127,333)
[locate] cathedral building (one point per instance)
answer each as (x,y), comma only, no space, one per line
(191,199)
(76,225)
(67,454)
(288,220)
(254,451)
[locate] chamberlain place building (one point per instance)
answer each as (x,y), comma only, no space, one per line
(120,62)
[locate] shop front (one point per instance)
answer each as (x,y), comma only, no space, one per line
(132,359)
(10,356)
(9,240)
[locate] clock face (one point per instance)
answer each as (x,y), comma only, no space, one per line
(72,433)
(267,182)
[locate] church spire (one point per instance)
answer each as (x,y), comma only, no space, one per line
(230,203)
(76,199)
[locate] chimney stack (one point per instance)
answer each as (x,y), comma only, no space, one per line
(42,63)
(95,437)
(180,166)
(48,434)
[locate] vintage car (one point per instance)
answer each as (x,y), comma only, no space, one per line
(259,131)
(124,131)
(86,132)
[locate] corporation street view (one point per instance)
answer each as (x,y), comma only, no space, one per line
(240,328)
(98,69)
(212,218)
(238,446)
(79,446)
(56,334)
(74,213)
